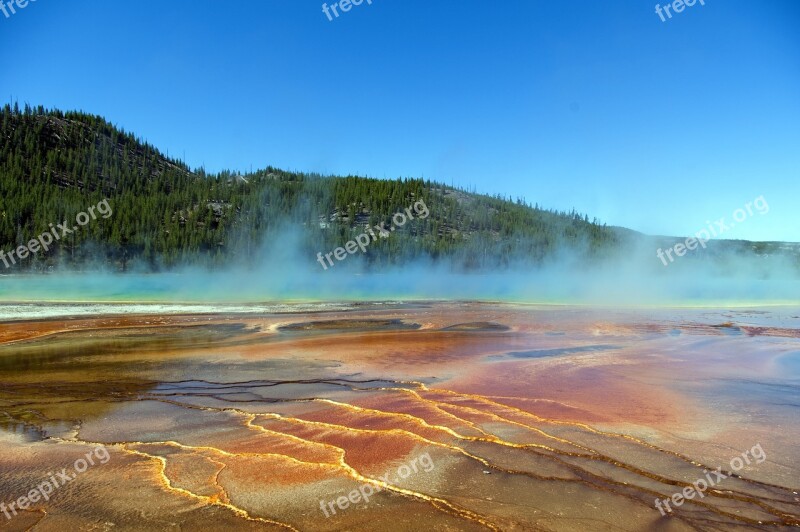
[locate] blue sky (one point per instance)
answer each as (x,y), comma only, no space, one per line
(601,106)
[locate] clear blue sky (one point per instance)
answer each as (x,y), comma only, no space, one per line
(600,106)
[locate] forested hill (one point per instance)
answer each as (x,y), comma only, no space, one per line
(54,165)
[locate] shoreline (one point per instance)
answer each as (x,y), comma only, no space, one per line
(14,311)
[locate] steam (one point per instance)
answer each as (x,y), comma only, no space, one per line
(285,271)
(286,268)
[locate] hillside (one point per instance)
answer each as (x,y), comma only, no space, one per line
(54,165)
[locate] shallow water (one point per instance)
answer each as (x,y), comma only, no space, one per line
(554,418)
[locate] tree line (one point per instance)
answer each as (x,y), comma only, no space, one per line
(54,164)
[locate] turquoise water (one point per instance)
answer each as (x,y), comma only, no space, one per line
(790,364)
(403,284)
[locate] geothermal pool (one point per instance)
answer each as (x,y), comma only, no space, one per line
(399,416)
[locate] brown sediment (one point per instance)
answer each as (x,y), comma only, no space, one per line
(255,421)
(350,325)
(481,326)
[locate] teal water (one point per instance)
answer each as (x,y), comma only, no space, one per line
(401,284)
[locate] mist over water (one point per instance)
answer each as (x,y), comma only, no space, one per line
(286,269)
(413,282)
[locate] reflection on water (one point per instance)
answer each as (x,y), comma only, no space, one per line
(544,353)
(28,431)
(112,351)
(789,364)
